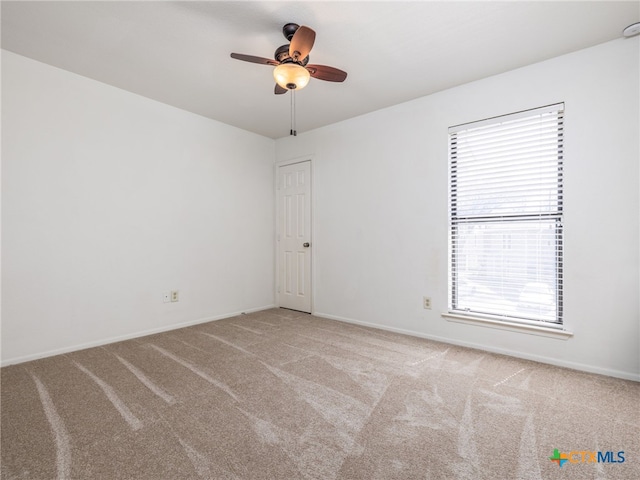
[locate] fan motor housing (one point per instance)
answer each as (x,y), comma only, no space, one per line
(282,55)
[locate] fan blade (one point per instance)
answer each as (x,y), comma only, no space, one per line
(252,59)
(279,90)
(301,43)
(323,72)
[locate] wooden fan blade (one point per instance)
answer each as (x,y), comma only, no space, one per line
(279,90)
(301,43)
(252,59)
(323,72)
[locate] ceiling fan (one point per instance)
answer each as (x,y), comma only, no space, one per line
(293,69)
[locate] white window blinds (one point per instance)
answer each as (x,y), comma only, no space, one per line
(506,193)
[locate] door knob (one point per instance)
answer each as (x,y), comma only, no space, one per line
(306,244)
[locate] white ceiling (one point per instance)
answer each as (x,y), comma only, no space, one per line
(178,52)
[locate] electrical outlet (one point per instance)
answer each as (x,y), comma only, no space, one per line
(426,302)
(175,296)
(166,297)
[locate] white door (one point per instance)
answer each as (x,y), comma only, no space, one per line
(294,236)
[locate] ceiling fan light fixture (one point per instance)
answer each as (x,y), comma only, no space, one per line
(291,76)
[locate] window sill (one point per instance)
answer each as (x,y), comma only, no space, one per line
(510,326)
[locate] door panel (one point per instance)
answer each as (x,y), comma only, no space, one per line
(294,232)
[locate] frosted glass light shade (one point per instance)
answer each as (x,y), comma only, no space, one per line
(291,75)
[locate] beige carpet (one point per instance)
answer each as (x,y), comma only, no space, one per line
(284,395)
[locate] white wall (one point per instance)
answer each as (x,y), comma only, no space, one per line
(110,199)
(380,218)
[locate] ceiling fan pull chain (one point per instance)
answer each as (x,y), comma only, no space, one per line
(293,113)
(295,131)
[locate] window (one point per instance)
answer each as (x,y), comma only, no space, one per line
(505,195)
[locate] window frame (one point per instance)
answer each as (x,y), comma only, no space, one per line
(557,216)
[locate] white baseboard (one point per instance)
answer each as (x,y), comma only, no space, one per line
(536,358)
(143,333)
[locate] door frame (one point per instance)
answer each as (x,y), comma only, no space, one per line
(277,165)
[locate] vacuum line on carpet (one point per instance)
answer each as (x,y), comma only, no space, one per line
(198,460)
(147,382)
(196,370)
(226,342)
(63,447)
(113,397)
(247,329)
(430,357)
(509,377)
